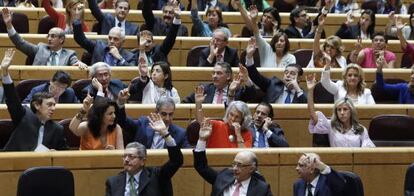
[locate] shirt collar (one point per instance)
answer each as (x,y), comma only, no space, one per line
(136,176)
(244,183)
(315,182)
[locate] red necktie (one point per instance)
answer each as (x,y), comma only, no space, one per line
(219,96)
(237,190)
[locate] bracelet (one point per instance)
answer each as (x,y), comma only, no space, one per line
(166,135)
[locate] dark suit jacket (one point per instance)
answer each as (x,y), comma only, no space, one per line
(245,94)
(224,178)
(272,87)
(114,87)
(153,181)
(230,56)
(157,25)
(328,185)
(27,124)
(276,140)
(160,52)
(68,96)
(292,32)
(107,21)
(141,131)
(40,53)
(348,32)
(201,5)
(99,48)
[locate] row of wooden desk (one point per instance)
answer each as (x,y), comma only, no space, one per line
(382,170)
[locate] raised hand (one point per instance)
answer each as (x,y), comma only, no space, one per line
(7,16)
(8,57)
(235,84)
(177,10)
(391,17)
(326,59)
(358,44)
(399,24)
(243,73)
(311,81)
(199,94)
(213,48)
(142,67)
(87,102)
(123,96)
(97,85)
(253,12)
(251,47)
(205,130)
(156,123)
(321,21)
(349,18)
(236,4)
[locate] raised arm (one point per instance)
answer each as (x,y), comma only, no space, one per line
(400,25)
(311,83)
(96,11)
(199,99)
(148,15)
(169,40)
(319,30)
(80,37)
(243,12)
(54,15)
(76,125)
(326,81)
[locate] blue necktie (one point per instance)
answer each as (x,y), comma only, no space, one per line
(262,141)
(287,100)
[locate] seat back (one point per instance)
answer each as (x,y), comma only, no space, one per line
(19,21)
(193,55)
(320,140)
(72,140)
(45,24)
(78,86)
(381,96)
(6,129)
(392,130)
(353,186)
(303,56)
(46,181)
(256,58)
(246,32)
(321,95)
(24,87)
(409,181)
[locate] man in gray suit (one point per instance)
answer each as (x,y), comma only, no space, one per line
(51,53)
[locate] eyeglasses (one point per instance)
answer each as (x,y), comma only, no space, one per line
(131,157)
(239,165)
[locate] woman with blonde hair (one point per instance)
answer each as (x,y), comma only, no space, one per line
(343,129)
(75,9)
(351,86)
(332,46)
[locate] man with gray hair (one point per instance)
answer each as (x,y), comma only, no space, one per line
(136,179)
(219,51)
(102,85)
(50,54)
(140,129)
(240,179)
(110,52)
(317,178)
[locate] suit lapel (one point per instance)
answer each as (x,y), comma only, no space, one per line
(210,94)
(251,188)
(321,183)
(150,136)
(120,184)
(143,180)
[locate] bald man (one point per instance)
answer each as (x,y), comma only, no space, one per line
(317,178)
(110,52)
(51,53)
(240,179)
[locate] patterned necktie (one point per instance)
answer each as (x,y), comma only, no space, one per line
(53,58)
(287,100)
(132,190)
(219,99)
(262,141)
(237,189)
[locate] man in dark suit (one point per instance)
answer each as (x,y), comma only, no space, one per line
(140,130)
(317,179)
(203,5)
(266,133)
(34,130)
(285,91)
(110,52)
(136,179)
(107,21)
(102,85)
(219,51)
(241,179)
(51,53)
(300,25)
(222,77)
(158,26)
(59,87)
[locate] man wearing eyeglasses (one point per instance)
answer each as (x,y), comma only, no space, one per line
(136,179)
(50,54)
(240,179)
(218,51)
(300,25)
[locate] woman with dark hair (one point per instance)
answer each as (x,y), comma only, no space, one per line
(158,85)
(364,29)
(344,128)
(268,26)
(275,54)
(100,131)
(388,6)
(75,9)
(214,21)
(407,30)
